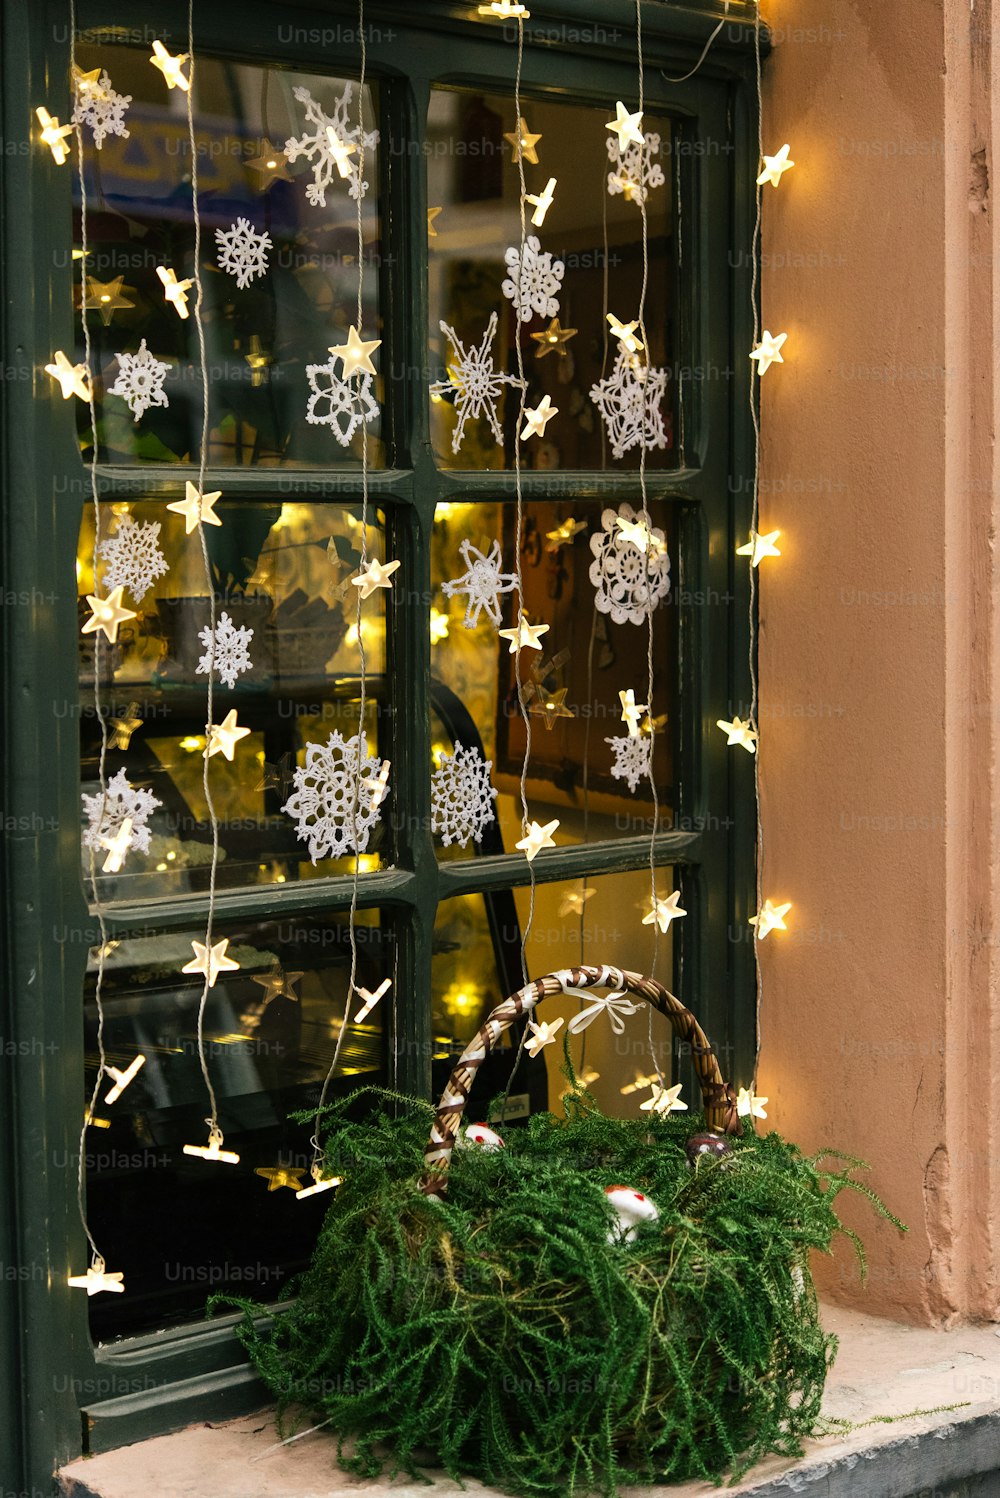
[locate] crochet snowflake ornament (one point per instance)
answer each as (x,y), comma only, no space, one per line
(134,559)
(482,581)
(318,148)
(341,405)
(633,758)
(629,400)
(534,280)
(100,107)
(461,796)
(105,814)
(474,382)
(333,813)
(226,652)
(635,171)
(629,582)
(242,251)
(140,381)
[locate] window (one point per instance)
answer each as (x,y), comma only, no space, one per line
(445,922)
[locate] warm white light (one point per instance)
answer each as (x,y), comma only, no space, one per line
(625,333)
(277,1176)
(175,291)
(213,1149)
(768,351)
(507,10)
(536,838)
(378,784)
(541,1034)
(635,531)
(117,847)
(170,67)
(565,534)
(210,963)
(542,201)
(97,1279)
(759,547)
(739,732)
(54,135)
(664,1100)
(197,508)
(439,626)
(555,336)
(223,737)
(536,420)
(632,712)
(664,911)
(340,150)
(749,1105)
(123,1078)
(355,353)
(107,614)
(369,1000)
(320,1183)
(774,166)
(770,918)
(626,126)
(375,575)
(525,636)
(73,378)
(523,142)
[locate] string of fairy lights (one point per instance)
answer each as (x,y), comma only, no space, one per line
(369,777)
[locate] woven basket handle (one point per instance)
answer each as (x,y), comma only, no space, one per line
(718,1098)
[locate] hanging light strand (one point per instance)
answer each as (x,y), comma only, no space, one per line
(754,515)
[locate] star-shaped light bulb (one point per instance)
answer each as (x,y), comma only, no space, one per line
(117,847)
(541,1034)
(635,531)
(170,67)
(124,727)
(632,711)
(355,353)
(213,1149)
(175,291)
(97,1279)
(223,737)
(553,339)
(525,636)
(270,165)
(123,1078)
(432,215)
(626,126)
(774,167)
(197,508)
(341,151)
(537,420)
(378,785)
(369,999)
(73,378)
(87,83)
(277,984)
(439,626)
(662,912)
(277,1176)
(625,333)
(54,135)
(550,705)
(107,614)
(542,201)
(574,900)
(523,143)
(210,963)
(506,10)
(738,732)
(105,297)
(376,575)
(536,838)
(320,1183)
(664,1100)
(749,1105)
(564,534)
(759,547)
(768,351)
(771,917)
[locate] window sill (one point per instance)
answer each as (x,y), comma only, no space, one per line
(883,1369)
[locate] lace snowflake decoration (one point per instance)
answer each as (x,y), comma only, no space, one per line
(100,107)
(319,149)
(140,381)
(635,171)
(242,251)
(226,652)
(474,382)
(534,280)
(483,582)
(341,405)
(461,796)
(105,814)
(629,582)
(331,810)
(633,758)
(629,400)
(133,556)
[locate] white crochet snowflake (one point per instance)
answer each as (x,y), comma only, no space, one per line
(242,251)
(461,796)
(226,653)
(105,814)
(534,280)
(629,582)
(339,404)
(482,581)
(474,382)
(635,170)
(319,150)
(633,759)
(140,381)
(629,400)
(100,107)
(134,559)
(333,813)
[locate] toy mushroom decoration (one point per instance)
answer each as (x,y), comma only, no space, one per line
(631,1208)
(711,1144)
(485,1137)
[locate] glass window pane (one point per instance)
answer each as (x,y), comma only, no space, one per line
(597,236)
(181,1226)
(260,336)
(283,571)
(571,683)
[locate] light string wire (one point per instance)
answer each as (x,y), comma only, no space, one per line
(754,518)
(356,803)
(704,53)
(213,1120)
(99,645)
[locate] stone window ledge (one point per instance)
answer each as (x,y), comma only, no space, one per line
(882,1369)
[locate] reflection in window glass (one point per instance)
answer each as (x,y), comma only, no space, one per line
(282,571)
(182,1227)
(260,336)
(571,684)
(597,234)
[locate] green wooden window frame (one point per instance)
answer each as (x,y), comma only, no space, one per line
(60,1394)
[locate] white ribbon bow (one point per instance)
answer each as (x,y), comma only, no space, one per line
(615,1005)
